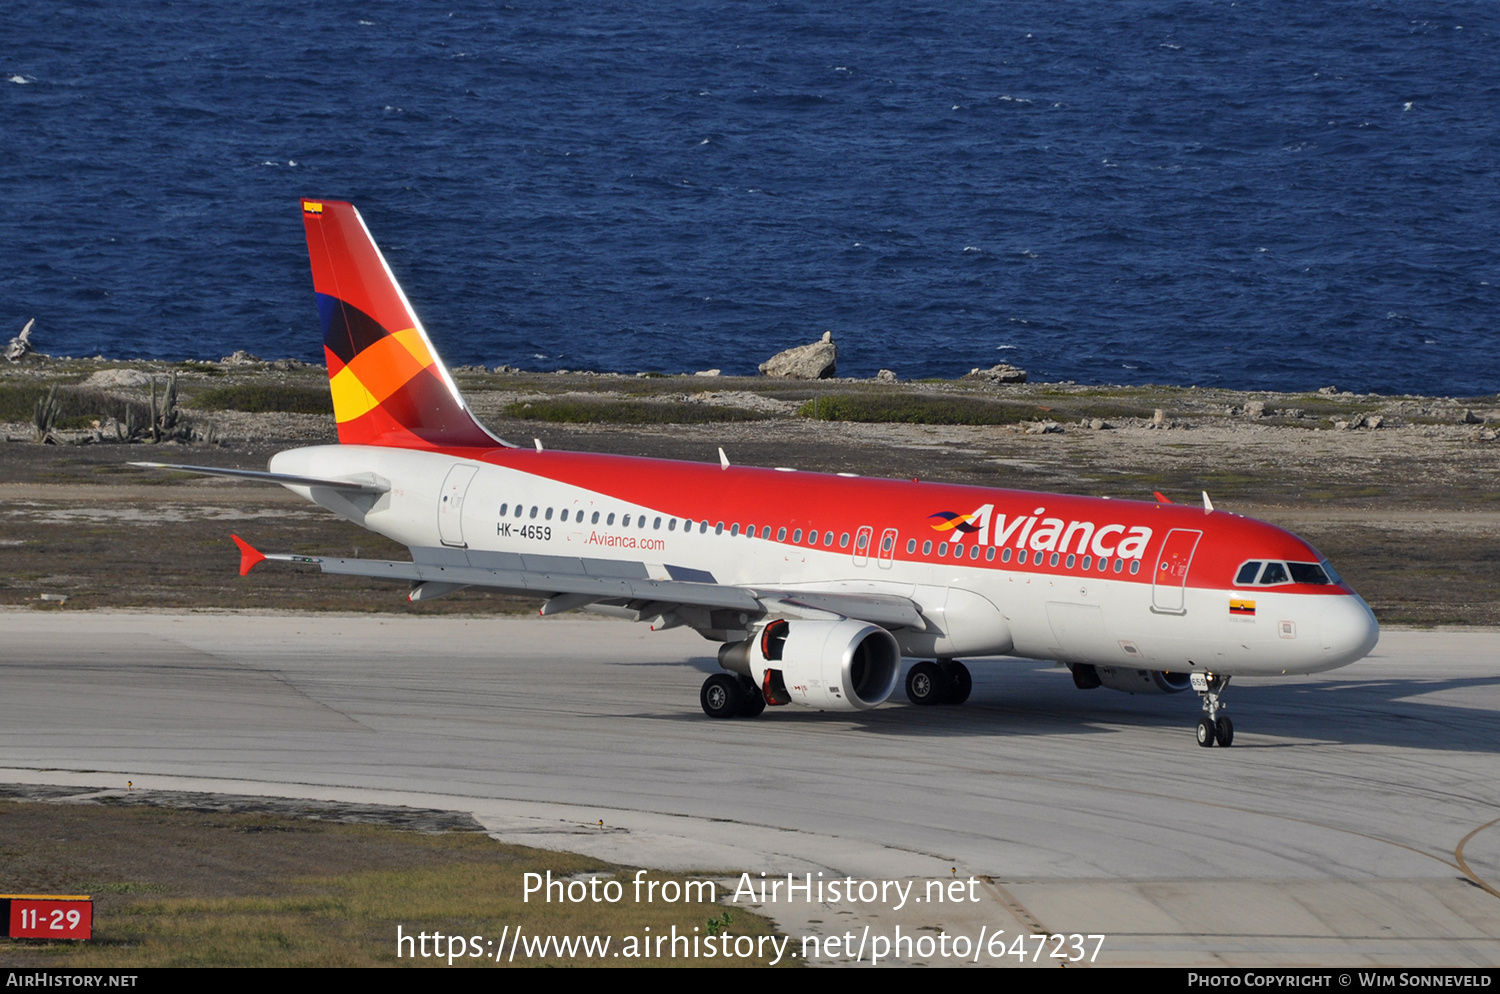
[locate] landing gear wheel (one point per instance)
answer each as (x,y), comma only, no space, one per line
(960,682)
(1215,725)
(924,684)
(722,696)
(752,702)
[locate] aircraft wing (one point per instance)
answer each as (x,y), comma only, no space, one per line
(569,584)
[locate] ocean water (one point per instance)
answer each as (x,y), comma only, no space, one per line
(1245,194)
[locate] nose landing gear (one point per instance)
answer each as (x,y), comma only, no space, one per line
(1215,725)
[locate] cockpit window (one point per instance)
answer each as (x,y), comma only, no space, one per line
(1274,573)
(1271,574)
(1307,573)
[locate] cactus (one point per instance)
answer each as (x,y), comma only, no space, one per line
(167,423)
(45,419)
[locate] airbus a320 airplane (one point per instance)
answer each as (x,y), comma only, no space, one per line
(817,585)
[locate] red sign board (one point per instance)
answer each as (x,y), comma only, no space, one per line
(49,916)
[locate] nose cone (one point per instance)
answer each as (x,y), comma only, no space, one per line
(1349,629)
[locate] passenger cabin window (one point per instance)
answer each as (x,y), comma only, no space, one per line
(548,515)
(1005,556)
(503,508)
(828,539)
(989,554)
(656,524)
(927,548)
(595,519)
(533,510)
(911,545)
(718,528)
(797,535)
(844,542)
(781,534)
(611,519)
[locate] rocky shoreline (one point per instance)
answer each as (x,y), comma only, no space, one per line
(1400,492)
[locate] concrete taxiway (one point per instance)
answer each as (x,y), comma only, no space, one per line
(1356,820)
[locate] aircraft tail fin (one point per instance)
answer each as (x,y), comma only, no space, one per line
(389,386)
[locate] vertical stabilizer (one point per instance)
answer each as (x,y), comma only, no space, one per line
(389,386)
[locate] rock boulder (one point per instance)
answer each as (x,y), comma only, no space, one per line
(1002,373)
(818,361)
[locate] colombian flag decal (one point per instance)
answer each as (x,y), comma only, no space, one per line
(948,521)
(1242,608)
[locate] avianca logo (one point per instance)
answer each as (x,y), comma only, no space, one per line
(950,521)
(1043,534)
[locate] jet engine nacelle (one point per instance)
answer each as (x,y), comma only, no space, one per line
(1131,681)
(841,665)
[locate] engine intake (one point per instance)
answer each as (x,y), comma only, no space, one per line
(830,665)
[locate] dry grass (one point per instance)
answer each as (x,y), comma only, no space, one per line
(193,888)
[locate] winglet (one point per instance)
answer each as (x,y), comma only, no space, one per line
(249,555)
(1160,498)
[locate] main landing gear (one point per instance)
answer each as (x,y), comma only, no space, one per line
(946,681)
(1215,725)
(729,695)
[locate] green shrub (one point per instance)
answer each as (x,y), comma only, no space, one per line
(628,412)
(915,410)
(263,398)
(78,407)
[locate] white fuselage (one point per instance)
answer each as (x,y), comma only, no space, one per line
(972,607)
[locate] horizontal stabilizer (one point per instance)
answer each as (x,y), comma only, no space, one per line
(287,479)
(249,555)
